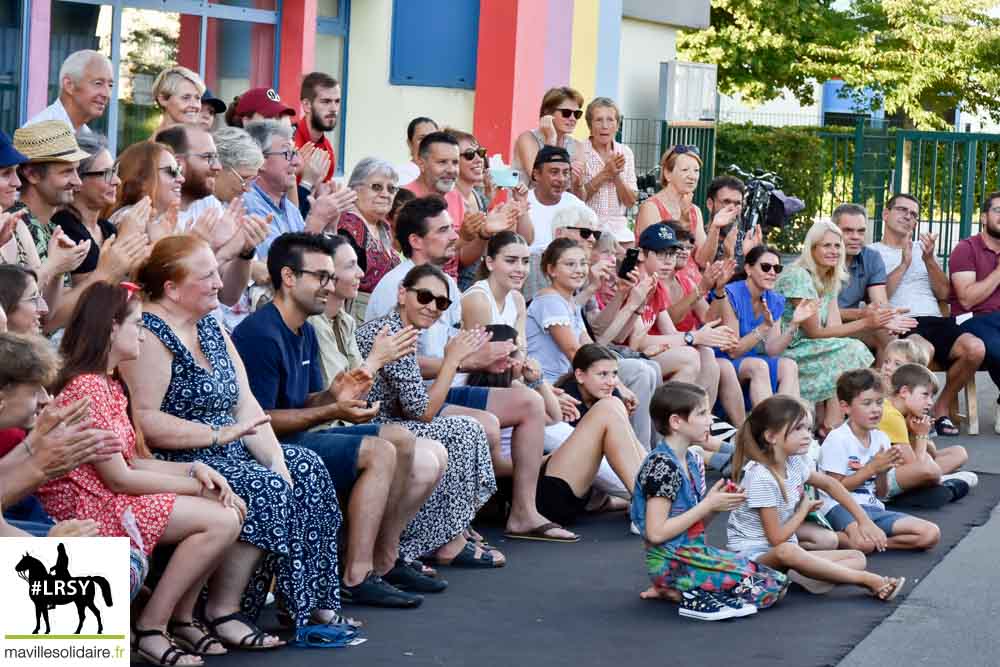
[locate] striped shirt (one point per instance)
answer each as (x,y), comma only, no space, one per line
(745,529)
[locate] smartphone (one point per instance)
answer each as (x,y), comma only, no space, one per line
(629,263)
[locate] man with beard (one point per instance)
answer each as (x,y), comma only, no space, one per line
(437,158)
(372,466)
(427,235)
(320,99)
(195,151)
(85,83)
(975,279)
(917,282)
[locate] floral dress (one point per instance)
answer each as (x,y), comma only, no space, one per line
(379,257)
(820,360)
(295,526)
(686,562)
(82,494)
(468,481)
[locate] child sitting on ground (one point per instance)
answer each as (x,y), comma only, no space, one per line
(771,464)
(907,423)
(860,456)
(671,508)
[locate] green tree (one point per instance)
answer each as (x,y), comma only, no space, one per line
(919,57)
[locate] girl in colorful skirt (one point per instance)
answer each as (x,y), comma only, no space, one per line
(671,508)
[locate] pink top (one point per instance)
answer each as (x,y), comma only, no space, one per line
(604,201)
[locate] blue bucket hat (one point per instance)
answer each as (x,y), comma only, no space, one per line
(658,237)
(9,156)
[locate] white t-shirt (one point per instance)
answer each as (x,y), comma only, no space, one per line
(190,215)
(541,217)
(745,531)
(432,341)
(914,290)
(843,454)
(55,111)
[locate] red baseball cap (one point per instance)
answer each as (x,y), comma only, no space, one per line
(263,101)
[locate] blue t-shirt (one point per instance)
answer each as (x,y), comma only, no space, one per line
(867,270)
(283,367)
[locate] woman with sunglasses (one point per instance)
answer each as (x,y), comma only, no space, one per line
(753,308)
(609,181)
(400,391)
(365,225)
(83,220)
(680,169)
(187,505)
(822,345)
(560,110)
(149,170)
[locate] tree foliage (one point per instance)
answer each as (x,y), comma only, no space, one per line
(918,57)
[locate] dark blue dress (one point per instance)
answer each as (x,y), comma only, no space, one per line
(296,527)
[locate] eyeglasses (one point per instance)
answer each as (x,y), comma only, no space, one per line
(37,301)
(378,188)
(244,183)
(288,153)
(211,158)
(567,113)
(573,266)
(107,175)
(906,212)
(681,149)
(767,267)
(585,233)
(471,154)
(324,277)
(425,296)
(174,171)
(684,249)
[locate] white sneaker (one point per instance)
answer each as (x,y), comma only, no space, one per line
(632,528)
(970,478)
(814,586)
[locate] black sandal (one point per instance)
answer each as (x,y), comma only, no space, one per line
(204,643)
(252,641)
(168,658)
(945,427)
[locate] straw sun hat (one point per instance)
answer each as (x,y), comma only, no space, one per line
(48,141)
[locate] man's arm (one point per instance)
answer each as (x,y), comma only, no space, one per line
(972,292)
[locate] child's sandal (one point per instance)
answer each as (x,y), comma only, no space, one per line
(890,588)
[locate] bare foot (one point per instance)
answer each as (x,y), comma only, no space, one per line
(654,593)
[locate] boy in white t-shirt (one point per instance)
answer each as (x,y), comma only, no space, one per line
(860,456)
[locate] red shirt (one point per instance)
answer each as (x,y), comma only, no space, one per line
(456,209)
(973,255)
(9,439)
(657,302)
(301,138)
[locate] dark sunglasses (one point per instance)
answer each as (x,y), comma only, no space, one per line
(106,175)
(767,266)
(173,172)
(681,149)
(566,113)
(585,233)
(473,152)
(425,296)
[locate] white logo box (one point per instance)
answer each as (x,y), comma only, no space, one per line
(98,568)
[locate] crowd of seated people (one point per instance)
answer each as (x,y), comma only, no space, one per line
(275,382)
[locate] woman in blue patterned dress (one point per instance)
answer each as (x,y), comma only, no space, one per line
(193,403)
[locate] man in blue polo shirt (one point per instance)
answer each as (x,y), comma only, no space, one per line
(866,286)
(371,465)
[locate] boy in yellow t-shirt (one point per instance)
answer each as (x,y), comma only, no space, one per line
(906,420)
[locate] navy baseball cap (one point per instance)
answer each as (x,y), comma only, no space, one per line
(9,156)
(218,106)
(658,237)
(547,154)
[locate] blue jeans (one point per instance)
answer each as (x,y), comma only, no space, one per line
(338,447)
(986,327)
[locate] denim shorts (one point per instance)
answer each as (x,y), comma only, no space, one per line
(469,397)
(339,448)
(840,518)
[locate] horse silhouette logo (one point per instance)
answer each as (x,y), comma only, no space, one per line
(50,587)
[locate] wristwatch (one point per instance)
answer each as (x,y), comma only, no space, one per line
(688,338)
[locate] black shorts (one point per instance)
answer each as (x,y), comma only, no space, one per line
(941,332)
(555,499)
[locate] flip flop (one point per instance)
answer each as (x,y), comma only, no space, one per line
(945,427)
(894,584)
(539,534)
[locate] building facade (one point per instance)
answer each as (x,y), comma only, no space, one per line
(479,65)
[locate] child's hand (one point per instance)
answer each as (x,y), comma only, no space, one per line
(919,425)
(718,500)
(885,460)
(807,505)
(869,531)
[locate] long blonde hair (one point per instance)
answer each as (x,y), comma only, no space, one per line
(827,282)
(778,413)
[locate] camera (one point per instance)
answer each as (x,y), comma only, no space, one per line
(764,203)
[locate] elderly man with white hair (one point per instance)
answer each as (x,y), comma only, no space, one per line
(575,221)
(85,83)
